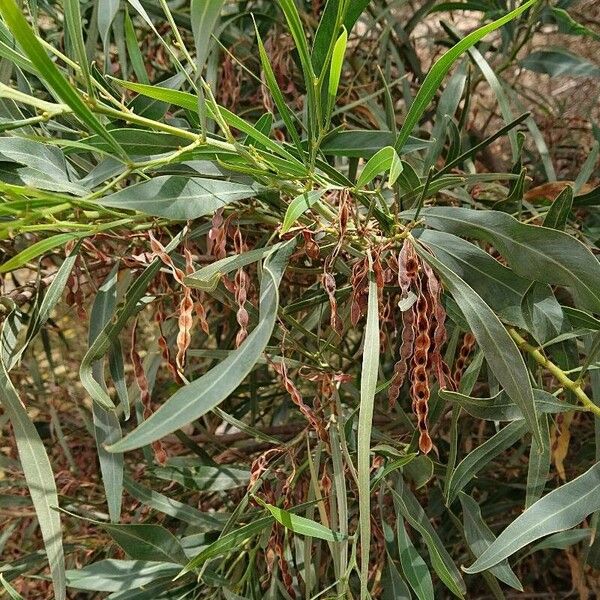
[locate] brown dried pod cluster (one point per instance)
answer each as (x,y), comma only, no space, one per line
(422,339)
(186,306)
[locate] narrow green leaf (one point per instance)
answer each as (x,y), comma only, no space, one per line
(177,197)
(9,589)
(204,478)
(385,160)
(538,468)
(112,575)
(298,206)
(501,408)
(413,566)
(561,509)
(107,428)
(499,287)
(301,525)
(480,537)
(284,110)
(560,210)
(335,69)
(477,459)
(231,541)
(206,392)
(358,143)
(37,249)
(174,508)
(38,474)
(368,385)
(559,62)
(437,72)
(147,542)
(204,16)
(500,351)
(407,504)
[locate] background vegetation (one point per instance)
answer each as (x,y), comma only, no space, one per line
(299,299)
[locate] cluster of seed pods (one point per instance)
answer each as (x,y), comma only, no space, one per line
(186,306)
(423,336)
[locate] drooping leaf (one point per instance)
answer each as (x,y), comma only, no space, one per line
(407,504)
(413,566)
(38,474)
(533,252)
(107,428)
(560,62)
(561,509)
(478,458)
(479,537)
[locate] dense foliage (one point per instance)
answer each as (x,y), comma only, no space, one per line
(282,315)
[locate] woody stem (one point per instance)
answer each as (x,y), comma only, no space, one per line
(557,372)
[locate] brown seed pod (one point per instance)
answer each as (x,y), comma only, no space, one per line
(464,352)
(281,369)
(160,454)
(330,288)
(420,391)
(406,350)
(439,328)
(359,281)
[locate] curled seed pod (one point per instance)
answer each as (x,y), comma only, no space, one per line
(358,281)
(281,369)
(159,250)
(311,248)
(406,350)
(408,267)
(185,322)
(468,343)
(199,309)
(420,391)
(142,382)
(438,327)
(241,287)
(377,269)
(159,318)
(216,242)
(330,288)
